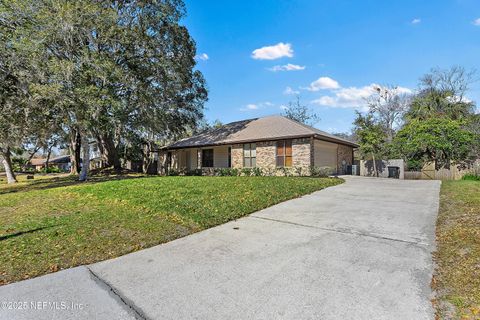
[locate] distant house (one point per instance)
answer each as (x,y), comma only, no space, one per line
(269,143)
(63,163)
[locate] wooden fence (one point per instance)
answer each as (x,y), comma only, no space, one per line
(429,173)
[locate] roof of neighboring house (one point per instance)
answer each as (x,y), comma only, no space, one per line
(41,161)
(258,129)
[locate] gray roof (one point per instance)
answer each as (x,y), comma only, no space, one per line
(258,129)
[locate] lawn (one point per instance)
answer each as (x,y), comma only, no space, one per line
(52,224)
(457,279)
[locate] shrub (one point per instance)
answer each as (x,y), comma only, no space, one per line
(321,172)
(194,172)
(257,172)
(299,171)
(173,172)
(471,177)
(247,171)
(227,172)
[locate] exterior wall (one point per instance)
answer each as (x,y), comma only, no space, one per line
(345,153)
(266,154)
(366,167)
(325,154)
(237,156)
(220,157)
(301,153)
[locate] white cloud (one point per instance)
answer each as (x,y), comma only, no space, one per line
(273,52)
(283,107)
(416,21)
(352,97)
(290,91)
(256,106)
(323,83)
(202,56)
(476,22)
(287,67)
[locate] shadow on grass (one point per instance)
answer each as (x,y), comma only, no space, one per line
(16,234)
(65,181)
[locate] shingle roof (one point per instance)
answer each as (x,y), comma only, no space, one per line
(258,129)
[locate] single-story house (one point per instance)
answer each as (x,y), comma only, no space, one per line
(63,163)
(268,143)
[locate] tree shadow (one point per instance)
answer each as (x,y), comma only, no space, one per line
(64,181)
(16,234)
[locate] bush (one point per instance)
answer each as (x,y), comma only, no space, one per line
(194,172)
(173,172)
(257,172)
(227,172)
(247,171)
(471,177)
(321,172)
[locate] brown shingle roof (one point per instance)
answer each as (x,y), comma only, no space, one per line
(258,129)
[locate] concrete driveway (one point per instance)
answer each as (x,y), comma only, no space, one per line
(360,250)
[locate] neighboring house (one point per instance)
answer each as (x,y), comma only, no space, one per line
(63,163)
(269,143)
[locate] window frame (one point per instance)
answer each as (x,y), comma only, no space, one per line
(204,164)
(283,145)
(249,157)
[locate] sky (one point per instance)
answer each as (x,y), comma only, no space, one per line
(257,56)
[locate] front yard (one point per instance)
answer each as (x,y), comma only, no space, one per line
(53,224)
(458,254)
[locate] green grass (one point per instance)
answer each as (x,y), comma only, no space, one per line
(52,224)
(457,279)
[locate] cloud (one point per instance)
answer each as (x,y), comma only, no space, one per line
(416,21)
(476,22)
(323,83)
(352,97)
(287,67)
(273,52)
(290,91)
(283,107)
(202,56)
(256,106)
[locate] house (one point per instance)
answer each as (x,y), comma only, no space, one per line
(269,143)
(62,163)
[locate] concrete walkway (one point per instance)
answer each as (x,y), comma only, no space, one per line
(360,250)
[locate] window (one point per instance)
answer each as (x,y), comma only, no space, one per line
(207,158)
(284,153)
(249,155)
(229,157)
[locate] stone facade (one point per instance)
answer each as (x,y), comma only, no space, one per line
(344,153)
(266,154)
(237,156)
(302,153)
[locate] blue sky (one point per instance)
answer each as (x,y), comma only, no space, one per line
(338,48)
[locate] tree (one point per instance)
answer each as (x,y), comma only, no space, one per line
(438,139)
(388,104)
(370,136)
(118,71)
(301,113)
(442,93)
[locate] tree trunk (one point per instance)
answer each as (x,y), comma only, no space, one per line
(374,165)
(75,146)
(47,160)
(109,151)
(7,163)
(146,157)
(86,160)
(30,157)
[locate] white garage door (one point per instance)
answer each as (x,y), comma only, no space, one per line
(325,154)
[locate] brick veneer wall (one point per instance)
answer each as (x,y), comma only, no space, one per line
(344,153)
(266,154)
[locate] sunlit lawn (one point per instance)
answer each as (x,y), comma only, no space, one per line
(52,224)
(458,252)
